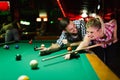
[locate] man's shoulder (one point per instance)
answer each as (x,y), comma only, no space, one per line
(79,21)
(63,34)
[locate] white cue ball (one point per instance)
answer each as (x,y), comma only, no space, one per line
(42,45)
(23,77)
(34,64)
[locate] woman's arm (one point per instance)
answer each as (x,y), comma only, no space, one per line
(113,21)
(75,43)
(84,43)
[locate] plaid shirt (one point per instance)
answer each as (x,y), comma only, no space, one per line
(80,25)
(109,29)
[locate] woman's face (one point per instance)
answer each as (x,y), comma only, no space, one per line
(71,28)
(93,33)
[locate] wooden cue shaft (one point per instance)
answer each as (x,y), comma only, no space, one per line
(7,42)
(38,48)
(52,57)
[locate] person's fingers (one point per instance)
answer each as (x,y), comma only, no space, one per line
(64,41)
(67,56)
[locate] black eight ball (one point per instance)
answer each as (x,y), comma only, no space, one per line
(18,57)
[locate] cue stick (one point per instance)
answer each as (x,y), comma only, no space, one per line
(59,55)
(39,48)
(7,43)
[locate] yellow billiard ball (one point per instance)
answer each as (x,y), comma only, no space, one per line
(23,77)
(34,64)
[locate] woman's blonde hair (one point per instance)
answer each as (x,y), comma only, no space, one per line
(93,22)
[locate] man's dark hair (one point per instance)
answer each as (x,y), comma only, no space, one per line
(63,23)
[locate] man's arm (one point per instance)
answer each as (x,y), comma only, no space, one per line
(73,44)
(54,47)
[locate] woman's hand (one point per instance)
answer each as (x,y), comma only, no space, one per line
(71,55)
(67,56)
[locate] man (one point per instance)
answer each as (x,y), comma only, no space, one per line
(72,34)
(10,32)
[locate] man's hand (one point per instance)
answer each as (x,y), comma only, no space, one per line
(45,51)
(65,41)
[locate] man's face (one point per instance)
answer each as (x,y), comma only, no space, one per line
(71,28)
(93,33)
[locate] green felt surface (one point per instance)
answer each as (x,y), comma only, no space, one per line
(54,69)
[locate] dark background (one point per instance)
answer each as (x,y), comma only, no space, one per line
(29,10)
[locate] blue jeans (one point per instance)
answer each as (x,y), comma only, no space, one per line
(12,34)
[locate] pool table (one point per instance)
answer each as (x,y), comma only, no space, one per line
(87,67)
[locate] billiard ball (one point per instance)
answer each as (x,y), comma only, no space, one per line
(18,57)
(34,64)
(23,77)
(69,48)
(6,47)
(30,42)
(42,46)
(16,46)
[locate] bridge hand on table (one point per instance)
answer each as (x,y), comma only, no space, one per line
(44,51)
(71,55)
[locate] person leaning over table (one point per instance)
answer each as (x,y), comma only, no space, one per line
(72,33)
(10,31)
(99,33)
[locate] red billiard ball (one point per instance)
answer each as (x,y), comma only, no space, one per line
(30,42)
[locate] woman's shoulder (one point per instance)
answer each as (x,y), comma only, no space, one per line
(110,24)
